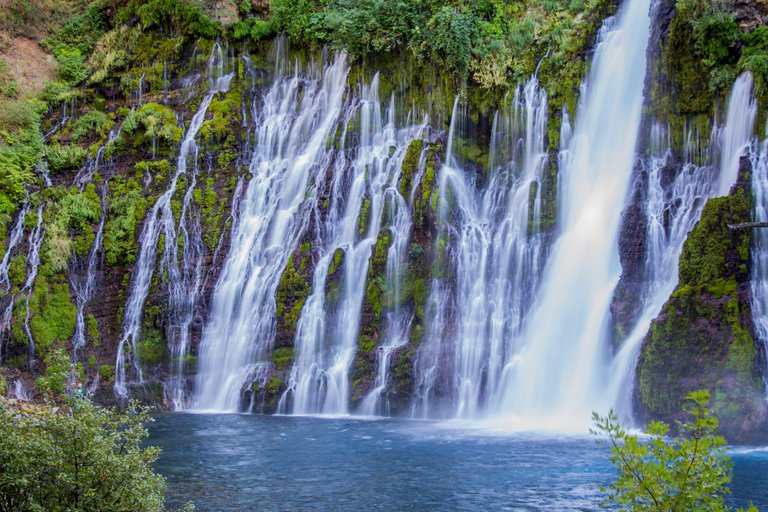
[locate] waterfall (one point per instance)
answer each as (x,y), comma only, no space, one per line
(556,378)
(737,132)
(672,211)
(759,253)
(492,237)
(33,263)
(398,320)
(327,331)
(20,392)
(288,162)
(85,288)
(160,221)
(16,234)
(184,285)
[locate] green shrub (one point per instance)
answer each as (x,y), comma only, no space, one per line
(688,472)
(107,372)
(65,158)
(77,457)
(151,348)
(8,86)
(125,213)
(449,37)
(57,370)
(153,121)
(93,122)
(53,320)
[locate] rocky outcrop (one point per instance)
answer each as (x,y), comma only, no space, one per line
(749,13)
(703,337)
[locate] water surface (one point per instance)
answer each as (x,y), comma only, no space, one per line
(263,463)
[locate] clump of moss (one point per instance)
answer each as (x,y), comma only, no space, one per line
(53,319)
(127,209)
(410,166)
(292,292)
(151,348)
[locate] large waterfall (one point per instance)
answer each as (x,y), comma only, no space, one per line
(760,249)
(557,376)
(521,249)
(288,162)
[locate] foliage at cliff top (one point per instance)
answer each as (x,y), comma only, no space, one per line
(494,43)
(688,472)
(76,457)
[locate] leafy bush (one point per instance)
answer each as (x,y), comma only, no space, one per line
(81,31)
(54,314)
(155,120)
(151,348)
(688,472)
(294,17)
(171,16)
(125,213)
(449,36)
(65,158)
(57,368)
(754,57)
(77,457)
(8,87)
(93,122)
(370,26)
(72,69)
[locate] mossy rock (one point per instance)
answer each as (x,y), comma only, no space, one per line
(701,339)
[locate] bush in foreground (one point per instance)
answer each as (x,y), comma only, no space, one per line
(688,472)
(76,457)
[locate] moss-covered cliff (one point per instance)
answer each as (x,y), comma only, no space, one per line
(703,338)
(119,81)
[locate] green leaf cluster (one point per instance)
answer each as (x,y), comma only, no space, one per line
(689,472)
(77,457)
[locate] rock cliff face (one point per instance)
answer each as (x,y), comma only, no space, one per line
(703,338)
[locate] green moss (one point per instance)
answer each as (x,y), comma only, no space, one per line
(151,348)
(292,292)
(152,123)
(274,386)
(107,372)
(410,166)
(126,211)
(282,357)
(700,340)
(17,270)
(53,319)
(92,329)
(64,158)
(364,218)
(157,169)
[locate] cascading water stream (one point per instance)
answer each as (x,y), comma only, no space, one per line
(85,287)
(161,221)
(759,251)
(737,132)
(557,378)
(16,235)
(672,211)
(492,235)
(327,331)
(398,321)
(299,114)
(33,263)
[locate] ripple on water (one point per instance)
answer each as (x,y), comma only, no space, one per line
(248,462)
